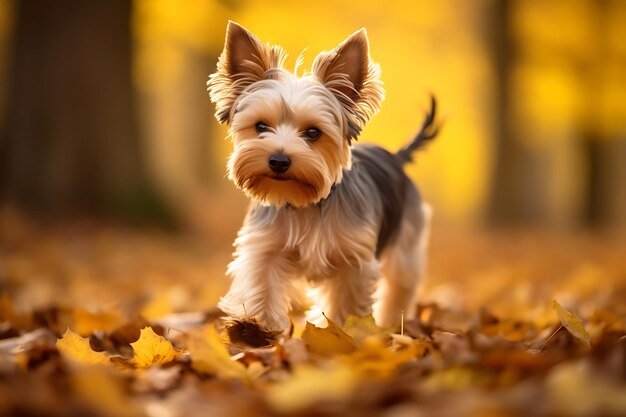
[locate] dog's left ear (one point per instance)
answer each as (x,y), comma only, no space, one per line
(349,73)
(244,61)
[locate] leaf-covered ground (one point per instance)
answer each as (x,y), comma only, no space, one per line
(98,320)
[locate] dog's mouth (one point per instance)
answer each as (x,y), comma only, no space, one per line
(289,178)
(280,189)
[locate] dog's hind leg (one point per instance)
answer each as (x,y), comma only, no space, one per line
(348,292)
(403,266)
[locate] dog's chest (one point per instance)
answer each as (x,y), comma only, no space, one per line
(324,243)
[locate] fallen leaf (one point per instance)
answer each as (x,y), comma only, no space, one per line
(86,322)
(209,355)
(311,385)
(328,341)
(572,323)
(157,378)
(375,359)
(158,306)
(293,351)
(8,313)
(41,337)
(77,349)
(575,389)
(103,392)
(400,342)
(152,349)
(362,327)
(455,378)
(249,332)
(510,330)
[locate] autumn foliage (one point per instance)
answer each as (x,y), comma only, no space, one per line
(106,321)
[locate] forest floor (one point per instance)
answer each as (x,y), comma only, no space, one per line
(102,320)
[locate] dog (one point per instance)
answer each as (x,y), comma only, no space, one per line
(341,217)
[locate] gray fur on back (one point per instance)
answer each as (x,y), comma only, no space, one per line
(377,178)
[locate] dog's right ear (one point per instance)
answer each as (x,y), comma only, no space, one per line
(244,61)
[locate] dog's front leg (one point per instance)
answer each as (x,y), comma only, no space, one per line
(262,283)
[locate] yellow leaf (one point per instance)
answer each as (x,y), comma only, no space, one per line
(328,341)
(210,356)
(152,349)
(456,378)
(77,349)
(104,391)
(572,323)
(157,307)
(361,327)
(86,322)
(311,385)
(375,359)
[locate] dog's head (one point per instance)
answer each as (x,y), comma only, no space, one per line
(292,135)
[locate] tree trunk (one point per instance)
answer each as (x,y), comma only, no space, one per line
(502,201)
(70,139)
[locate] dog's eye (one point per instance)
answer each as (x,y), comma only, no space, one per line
(261,127)
(312,133)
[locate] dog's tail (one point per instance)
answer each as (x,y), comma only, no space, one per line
(426,134)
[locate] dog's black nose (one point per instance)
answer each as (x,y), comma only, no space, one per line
(279,163)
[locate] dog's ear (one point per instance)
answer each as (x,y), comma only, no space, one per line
(348,71)
(244,60)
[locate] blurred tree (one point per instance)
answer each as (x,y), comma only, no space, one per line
(503,203)
(560,148)
(6,24)
(70,139)
(175,50)
(604,140)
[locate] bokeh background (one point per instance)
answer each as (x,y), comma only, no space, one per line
(103,105)
(115,212)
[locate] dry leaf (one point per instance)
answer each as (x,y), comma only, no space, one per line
(41,337)
(328,341)
(86,322)
(158,306)
(103,393)
(455,378)
(375,359)
(210,356)
(489,362)
(361,327)
(152,349)
(77,349)
(311,385)
(249,332)
(576,390)
(572,323)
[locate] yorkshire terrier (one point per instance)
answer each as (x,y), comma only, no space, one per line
(337,216)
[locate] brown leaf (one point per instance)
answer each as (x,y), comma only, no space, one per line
(249,332)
